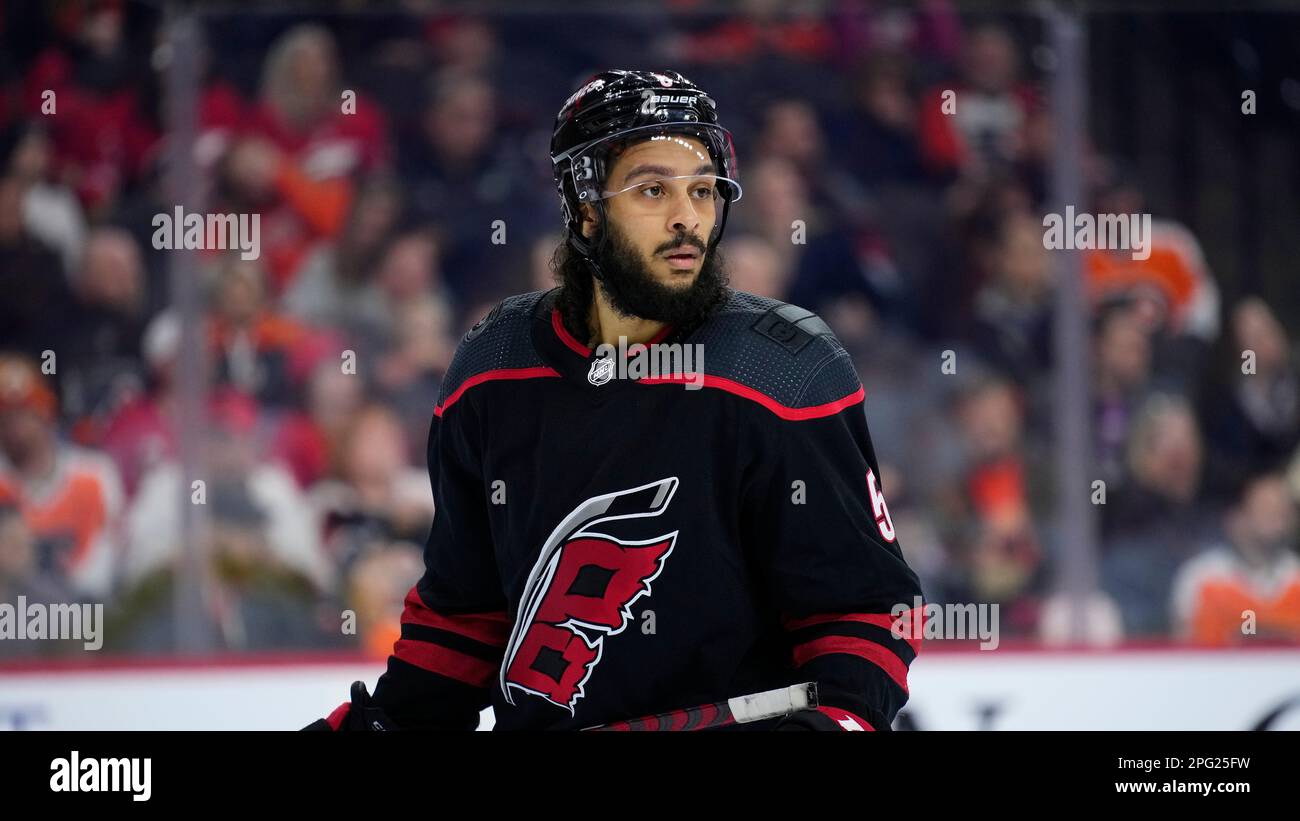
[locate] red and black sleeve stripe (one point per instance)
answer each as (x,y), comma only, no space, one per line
(443,665)
(859,664)
(464,647)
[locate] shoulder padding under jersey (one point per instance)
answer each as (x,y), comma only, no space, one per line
(784,352)
(499,341)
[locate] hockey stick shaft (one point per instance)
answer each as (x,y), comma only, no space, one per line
(739,710)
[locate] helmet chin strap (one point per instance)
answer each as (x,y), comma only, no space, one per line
(583,246)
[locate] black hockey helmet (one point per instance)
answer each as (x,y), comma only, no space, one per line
(616,107)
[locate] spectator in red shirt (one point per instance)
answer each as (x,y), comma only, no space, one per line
(103,136)
(307,441)
(985,127)
(307,141)
(140,435)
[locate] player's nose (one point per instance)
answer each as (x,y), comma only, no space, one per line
(683,217)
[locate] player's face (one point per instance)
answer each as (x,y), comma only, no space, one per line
(667,205)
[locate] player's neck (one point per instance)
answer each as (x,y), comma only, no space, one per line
(608,325)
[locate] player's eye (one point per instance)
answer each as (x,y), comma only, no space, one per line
(653,191)
(703,192)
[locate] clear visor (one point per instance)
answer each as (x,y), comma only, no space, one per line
(662,164)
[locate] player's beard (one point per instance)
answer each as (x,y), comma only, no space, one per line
(633,291)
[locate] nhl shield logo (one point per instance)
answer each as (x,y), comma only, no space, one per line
(602,370)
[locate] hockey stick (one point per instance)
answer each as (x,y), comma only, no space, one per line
(739,710)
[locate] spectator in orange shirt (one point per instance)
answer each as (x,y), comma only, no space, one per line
(259,350)
(22,575)
(1250,585)
(1172,288)
(990,505)
(70,498)
(20,570)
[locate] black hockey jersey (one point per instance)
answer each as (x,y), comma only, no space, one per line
(606,548)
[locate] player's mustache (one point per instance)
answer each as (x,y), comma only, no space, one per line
(679,241)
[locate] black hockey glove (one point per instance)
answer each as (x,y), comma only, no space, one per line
(358,714)
(829,716)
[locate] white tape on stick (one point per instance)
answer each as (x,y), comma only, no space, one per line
(773,703)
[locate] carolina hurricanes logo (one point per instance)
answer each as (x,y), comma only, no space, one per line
(579,593)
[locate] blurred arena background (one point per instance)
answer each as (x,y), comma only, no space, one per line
(382,144)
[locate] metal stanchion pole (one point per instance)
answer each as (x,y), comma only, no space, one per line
(192,630)
(1077,569)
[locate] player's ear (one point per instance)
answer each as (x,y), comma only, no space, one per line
(589,219)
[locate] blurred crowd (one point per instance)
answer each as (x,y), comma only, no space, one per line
(385,153)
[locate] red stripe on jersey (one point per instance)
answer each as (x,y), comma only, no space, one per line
(912,633)
(488,628)
(783,411)
(566,337)
(882,657)
(577,347)
(663,332)
(443,661)
(490,376)
(847,721)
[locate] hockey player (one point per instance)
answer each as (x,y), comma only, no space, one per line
(606,548)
